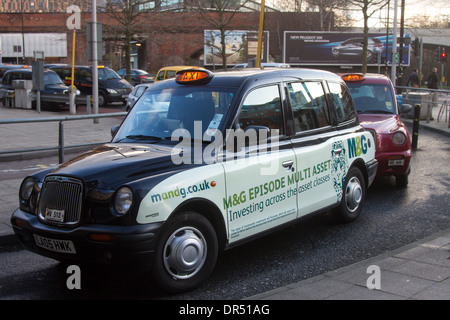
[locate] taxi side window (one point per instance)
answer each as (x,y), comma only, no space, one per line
(342,102)
(262,107)
(170,74)
(85,75)
(308,105)
(160,75)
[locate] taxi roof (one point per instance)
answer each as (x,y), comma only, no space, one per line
(370,78)
(235,78)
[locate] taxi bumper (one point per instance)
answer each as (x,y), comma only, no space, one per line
(127,246)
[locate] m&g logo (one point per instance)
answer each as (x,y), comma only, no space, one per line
(357,146)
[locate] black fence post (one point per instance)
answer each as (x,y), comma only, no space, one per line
(415,136)
(61,142)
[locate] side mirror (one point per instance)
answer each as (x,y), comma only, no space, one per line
(114,131)
(405,108)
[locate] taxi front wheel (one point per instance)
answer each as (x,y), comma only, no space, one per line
(186,253)
(353,195)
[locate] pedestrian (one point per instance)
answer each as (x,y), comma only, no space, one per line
(432,79)
(432,82)
(414,80)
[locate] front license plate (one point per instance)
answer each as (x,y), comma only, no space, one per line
(54,215)
(124,96)
(56,245)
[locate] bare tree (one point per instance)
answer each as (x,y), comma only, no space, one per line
(327,9)
(368,8)
(126,13)
(219,15)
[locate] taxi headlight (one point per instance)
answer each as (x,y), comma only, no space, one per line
(399,138)
(123,201)
(26,188)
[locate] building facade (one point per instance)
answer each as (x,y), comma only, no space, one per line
(31,6)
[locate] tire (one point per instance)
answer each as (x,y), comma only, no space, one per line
(370,56)
(353,196)
(102,102)
(186,253)
(401,181)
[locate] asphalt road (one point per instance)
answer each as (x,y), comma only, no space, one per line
(391,218)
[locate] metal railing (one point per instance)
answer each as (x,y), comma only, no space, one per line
(61,120)
(432,100)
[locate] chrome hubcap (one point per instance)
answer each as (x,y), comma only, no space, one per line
(353,194)
(184,253)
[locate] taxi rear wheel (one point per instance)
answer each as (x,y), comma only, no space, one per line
(186,253)
(353,195)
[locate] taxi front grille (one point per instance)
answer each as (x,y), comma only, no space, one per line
(62,195)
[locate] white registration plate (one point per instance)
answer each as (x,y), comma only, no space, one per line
(124,96)
(54,215)
(56,245)
(396,162)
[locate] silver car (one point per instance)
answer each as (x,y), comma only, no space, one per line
(135,94)
(354,47)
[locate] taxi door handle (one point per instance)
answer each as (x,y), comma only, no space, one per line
(288,165)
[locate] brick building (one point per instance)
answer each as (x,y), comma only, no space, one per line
(30,6)
(162,38)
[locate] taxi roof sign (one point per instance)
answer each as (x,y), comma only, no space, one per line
(193,76)
(353,77)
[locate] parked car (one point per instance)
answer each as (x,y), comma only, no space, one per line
(354,47)
(378,112)
(135,94)
(171,71)
(6,67)
(170,190)
(54,94)
(137,76)
(111,87)
(264,65)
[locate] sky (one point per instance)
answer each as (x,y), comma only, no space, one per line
(432,8)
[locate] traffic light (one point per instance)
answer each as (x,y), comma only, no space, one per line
(416,47)
(437,54)
(443,56)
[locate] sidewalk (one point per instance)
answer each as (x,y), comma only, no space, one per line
(419,271)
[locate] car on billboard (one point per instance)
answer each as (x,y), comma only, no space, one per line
(354,47)
(202,163)
(378,112)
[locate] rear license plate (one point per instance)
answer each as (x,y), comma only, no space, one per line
(396,162)
(54,215)
(56,245)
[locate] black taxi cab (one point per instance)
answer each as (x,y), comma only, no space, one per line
(202,163)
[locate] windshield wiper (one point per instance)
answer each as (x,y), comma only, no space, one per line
(143,137)
(375,111)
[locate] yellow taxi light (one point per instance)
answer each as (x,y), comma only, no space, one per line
(192,76)
(353,77)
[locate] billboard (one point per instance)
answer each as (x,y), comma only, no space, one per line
(240,46)
(339,48)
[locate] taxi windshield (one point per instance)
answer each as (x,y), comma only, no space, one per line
(372,98)
(159,113)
